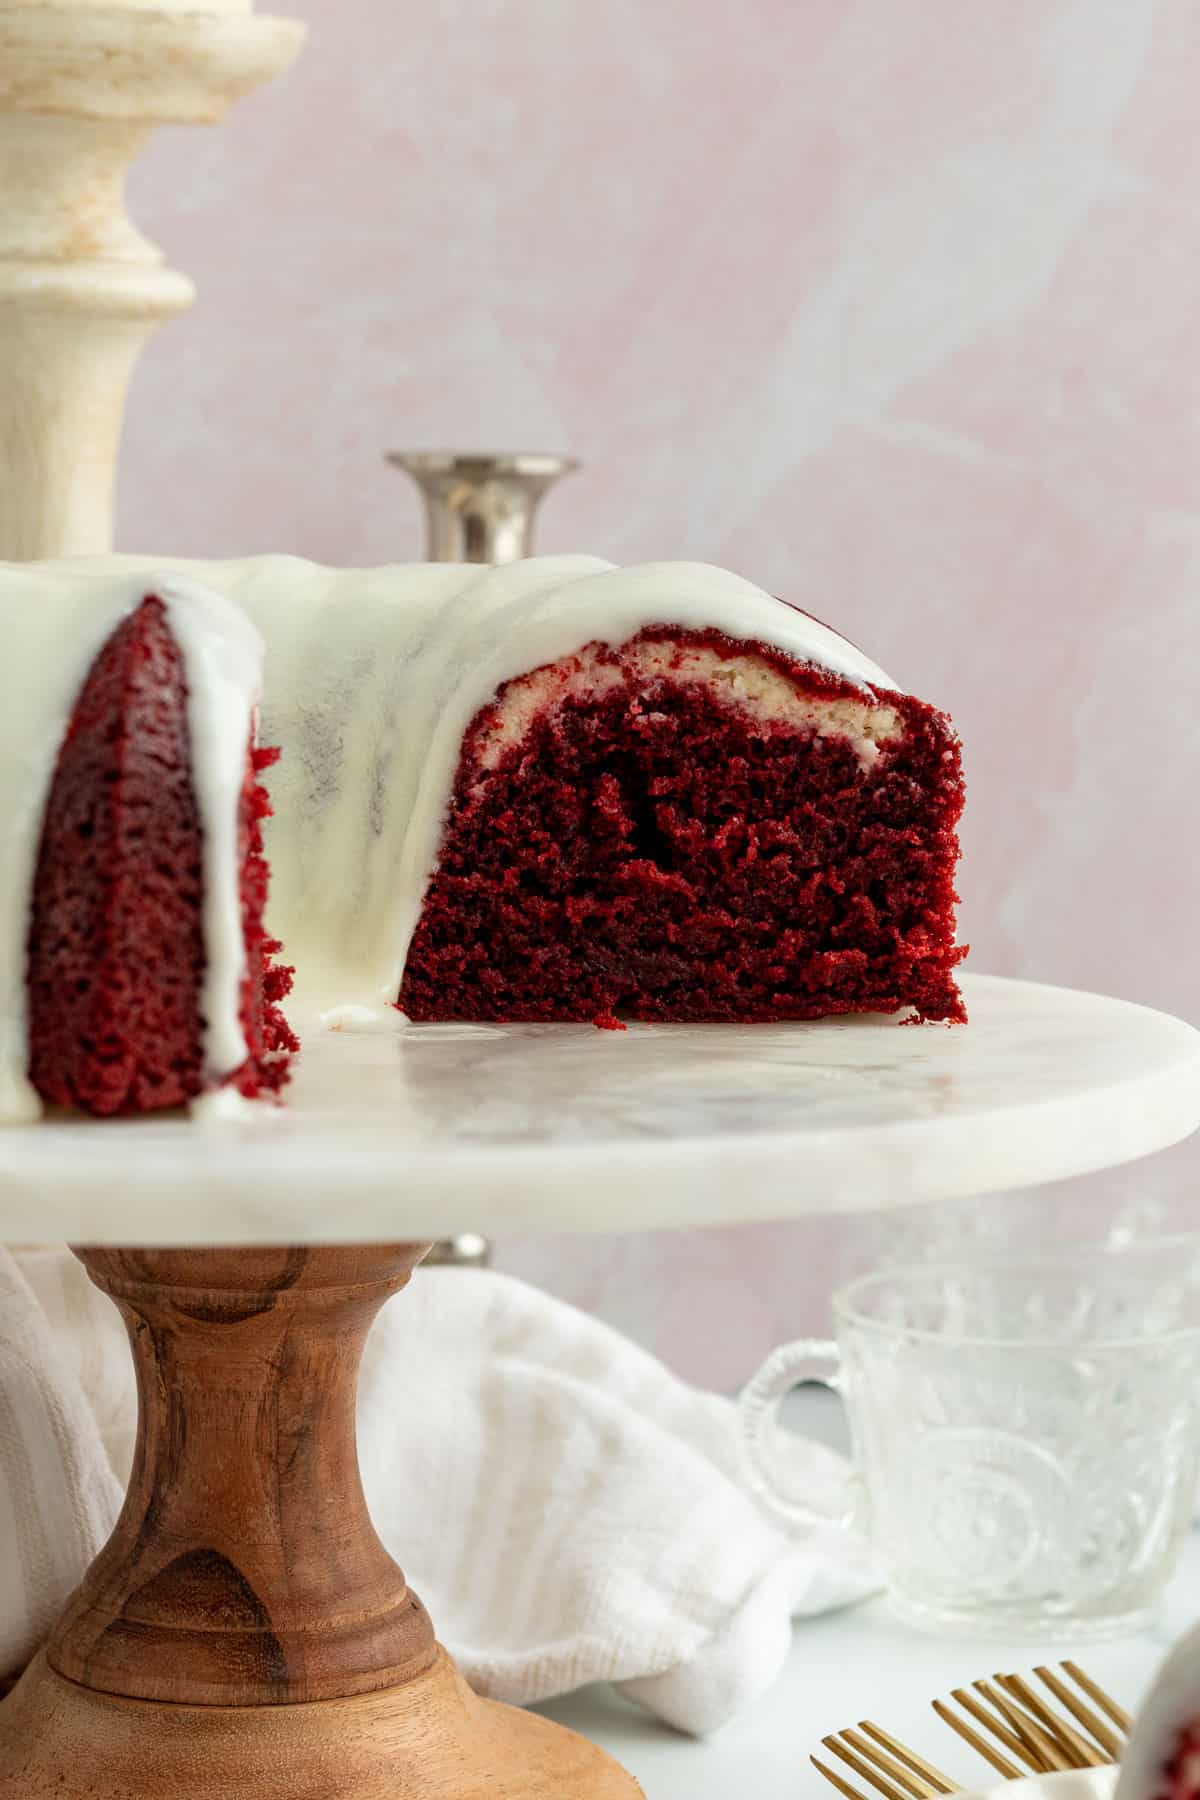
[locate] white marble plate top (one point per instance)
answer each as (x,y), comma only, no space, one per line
(404,1131)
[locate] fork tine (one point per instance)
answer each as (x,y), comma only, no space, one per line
(1105,1702)
(831,1775)
(887,1788)
(1079,1754)
(1001,1764)
(1107,1739)
(998,1729)
(1027,1729)
(940,1783)
(906,1778)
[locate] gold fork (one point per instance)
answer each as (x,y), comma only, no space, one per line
(889,1766)
(1030,1730)
(1016,1716)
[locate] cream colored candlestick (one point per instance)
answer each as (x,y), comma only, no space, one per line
(81,87)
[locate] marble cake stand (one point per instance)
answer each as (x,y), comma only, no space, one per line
(244,1632)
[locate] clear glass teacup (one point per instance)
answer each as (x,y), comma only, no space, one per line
(1026,1435)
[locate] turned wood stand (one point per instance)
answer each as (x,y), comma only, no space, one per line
(244,1632)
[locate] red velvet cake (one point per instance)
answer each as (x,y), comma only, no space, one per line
(116,937)
(555,790)
(1162,1758)
(1181,1776)
(683,835)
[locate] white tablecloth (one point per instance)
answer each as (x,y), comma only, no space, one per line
(850,1666)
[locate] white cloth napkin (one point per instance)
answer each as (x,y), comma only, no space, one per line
(568,1510)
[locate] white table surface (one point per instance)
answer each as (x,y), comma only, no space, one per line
(860,1663)
(421,1131)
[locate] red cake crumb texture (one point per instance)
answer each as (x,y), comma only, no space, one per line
(1181,1777)
(116,943)
(270,1039)
(654,853)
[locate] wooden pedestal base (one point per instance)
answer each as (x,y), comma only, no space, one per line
(244,1635)
(430,1739)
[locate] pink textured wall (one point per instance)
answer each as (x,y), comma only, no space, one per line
(895,308)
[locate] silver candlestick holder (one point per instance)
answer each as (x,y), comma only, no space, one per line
(480,508)
(466,1251)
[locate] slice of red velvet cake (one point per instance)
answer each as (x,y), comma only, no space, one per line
(117,951)
(694,827)
(1162,1758)
(1181,1774)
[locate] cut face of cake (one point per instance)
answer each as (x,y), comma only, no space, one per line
(555,790)
(688,826)
(148,979)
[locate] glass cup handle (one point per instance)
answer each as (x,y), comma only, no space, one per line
(808,1359)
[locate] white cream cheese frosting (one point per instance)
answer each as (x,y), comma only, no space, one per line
(371,679)
(223,662)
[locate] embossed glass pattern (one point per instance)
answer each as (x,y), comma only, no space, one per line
(1027,1437)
